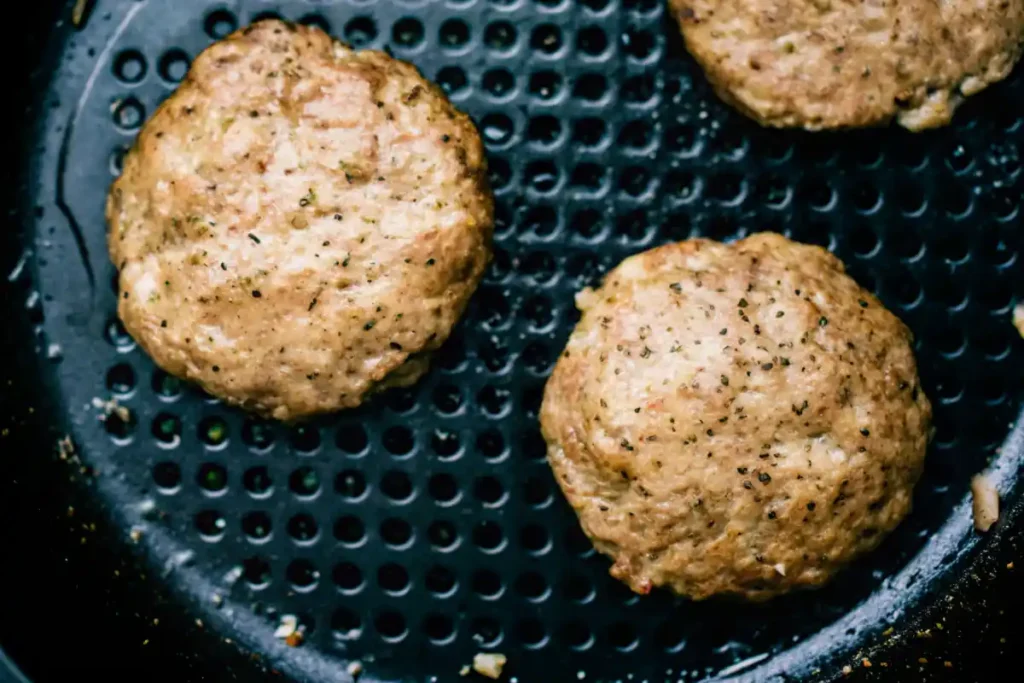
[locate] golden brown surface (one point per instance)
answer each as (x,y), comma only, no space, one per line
(299,223)
(839,63)
(735,419)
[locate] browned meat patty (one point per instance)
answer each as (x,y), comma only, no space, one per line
(299,223)
(735,419)
(841,63)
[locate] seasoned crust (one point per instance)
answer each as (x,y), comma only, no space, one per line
(838,63)
(299,223)
(735,419)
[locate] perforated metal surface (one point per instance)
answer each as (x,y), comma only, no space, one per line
(426,526)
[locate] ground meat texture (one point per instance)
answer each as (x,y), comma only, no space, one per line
(299,223)
(838,63)
(735,419)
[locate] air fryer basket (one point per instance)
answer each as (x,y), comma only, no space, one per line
(425,527)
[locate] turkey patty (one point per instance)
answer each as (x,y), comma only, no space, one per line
(841,63)
(735,419)
(299,223)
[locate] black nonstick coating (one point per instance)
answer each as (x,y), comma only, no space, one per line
(426,527)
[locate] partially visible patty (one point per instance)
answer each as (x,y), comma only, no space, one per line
(842,63)
(738,419)
(299,223)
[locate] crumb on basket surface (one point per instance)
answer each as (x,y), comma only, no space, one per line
(985,502)
(489,664)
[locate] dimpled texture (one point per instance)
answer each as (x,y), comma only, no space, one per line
(299,223)
(735,419)
(840,63)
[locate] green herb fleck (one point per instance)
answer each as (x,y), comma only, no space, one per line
(215,434)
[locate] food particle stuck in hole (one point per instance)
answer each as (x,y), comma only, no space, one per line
(489,664)
(1018,318)
(985,502)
